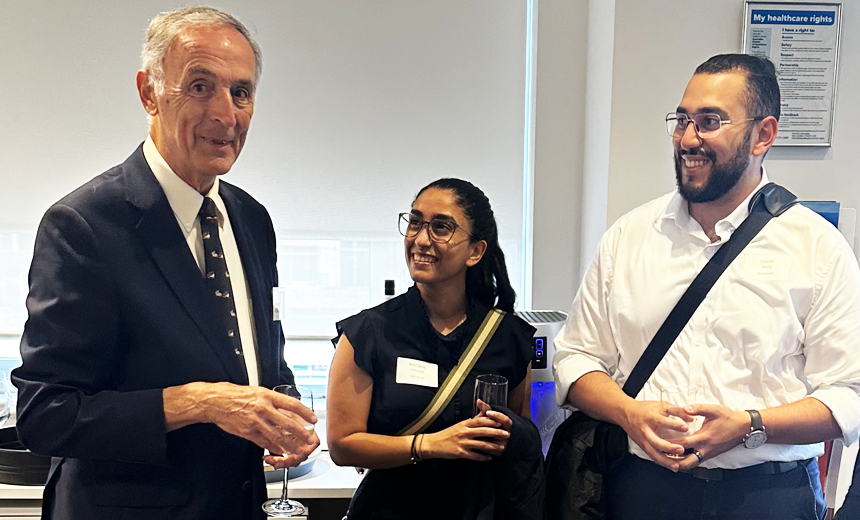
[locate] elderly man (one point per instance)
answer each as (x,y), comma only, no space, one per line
(150,342)
(772,347)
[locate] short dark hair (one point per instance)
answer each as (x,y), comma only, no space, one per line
(762,95)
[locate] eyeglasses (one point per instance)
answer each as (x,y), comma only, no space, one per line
(440,230)
(706,126)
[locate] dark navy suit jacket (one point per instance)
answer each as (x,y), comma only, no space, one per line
(117,312)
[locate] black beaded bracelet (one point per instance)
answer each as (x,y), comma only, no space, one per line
(413,453)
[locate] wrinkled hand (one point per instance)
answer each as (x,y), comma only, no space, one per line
(478,438)
(269,419)
(722,430)
(644,419)
(288,461)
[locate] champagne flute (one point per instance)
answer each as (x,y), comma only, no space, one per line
(492,389)
(285,507)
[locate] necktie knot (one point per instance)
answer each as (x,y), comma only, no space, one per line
(207,210)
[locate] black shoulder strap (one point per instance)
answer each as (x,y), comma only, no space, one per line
(770,201)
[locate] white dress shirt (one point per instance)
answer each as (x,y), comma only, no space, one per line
(185,202)
(781,324)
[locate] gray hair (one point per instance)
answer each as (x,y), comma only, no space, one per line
(167,25)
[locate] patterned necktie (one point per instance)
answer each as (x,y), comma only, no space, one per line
(217,277)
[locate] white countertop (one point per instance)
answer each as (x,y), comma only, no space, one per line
(325,480)
(10,492)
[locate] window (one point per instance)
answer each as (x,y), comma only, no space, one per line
(360,105)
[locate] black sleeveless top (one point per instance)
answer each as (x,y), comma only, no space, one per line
(400,328)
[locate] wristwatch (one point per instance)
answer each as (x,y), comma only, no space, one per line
(757,435)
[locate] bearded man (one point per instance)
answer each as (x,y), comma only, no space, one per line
(771,347)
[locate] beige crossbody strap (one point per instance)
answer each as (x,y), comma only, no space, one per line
(455,379)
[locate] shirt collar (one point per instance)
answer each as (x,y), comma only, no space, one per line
(678,211)
(184,200)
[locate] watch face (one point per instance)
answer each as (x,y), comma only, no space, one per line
(755,439)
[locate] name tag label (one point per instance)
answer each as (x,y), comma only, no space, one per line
(415,372)
(767,267)
(278,303)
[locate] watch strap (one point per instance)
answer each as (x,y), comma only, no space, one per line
(755,421)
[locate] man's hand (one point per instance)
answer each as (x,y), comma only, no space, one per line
(722,430)
(643,422)
(269,419)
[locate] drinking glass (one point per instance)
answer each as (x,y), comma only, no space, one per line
(491,389)
(671,399)
(285,507)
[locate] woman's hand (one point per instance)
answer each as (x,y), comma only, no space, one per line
(479,438)
(484,410)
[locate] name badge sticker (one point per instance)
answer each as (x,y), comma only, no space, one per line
(767,267)
(415,372)
(278,303)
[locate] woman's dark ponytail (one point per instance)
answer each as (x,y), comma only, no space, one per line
(487,281)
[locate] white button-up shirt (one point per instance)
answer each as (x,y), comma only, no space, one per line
(185,202)
(781,324)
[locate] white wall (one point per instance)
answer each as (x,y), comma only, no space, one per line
(657,47)
(360,105)
(559,137)
(354,95)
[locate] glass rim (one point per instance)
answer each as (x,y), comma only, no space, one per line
(492,379)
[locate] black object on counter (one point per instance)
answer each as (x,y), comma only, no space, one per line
(18,465)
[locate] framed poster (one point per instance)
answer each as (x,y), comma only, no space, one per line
(802,41)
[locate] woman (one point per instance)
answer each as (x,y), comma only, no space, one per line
(462,460)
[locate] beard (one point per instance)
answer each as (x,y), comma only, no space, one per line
(723,177)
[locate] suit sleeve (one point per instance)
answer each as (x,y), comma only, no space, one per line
(285,374)
(72,342)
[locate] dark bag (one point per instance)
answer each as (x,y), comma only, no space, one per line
(850,509)
(509,487)
(512,486)
(584,450)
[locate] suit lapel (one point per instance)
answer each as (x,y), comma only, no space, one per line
(160,234)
